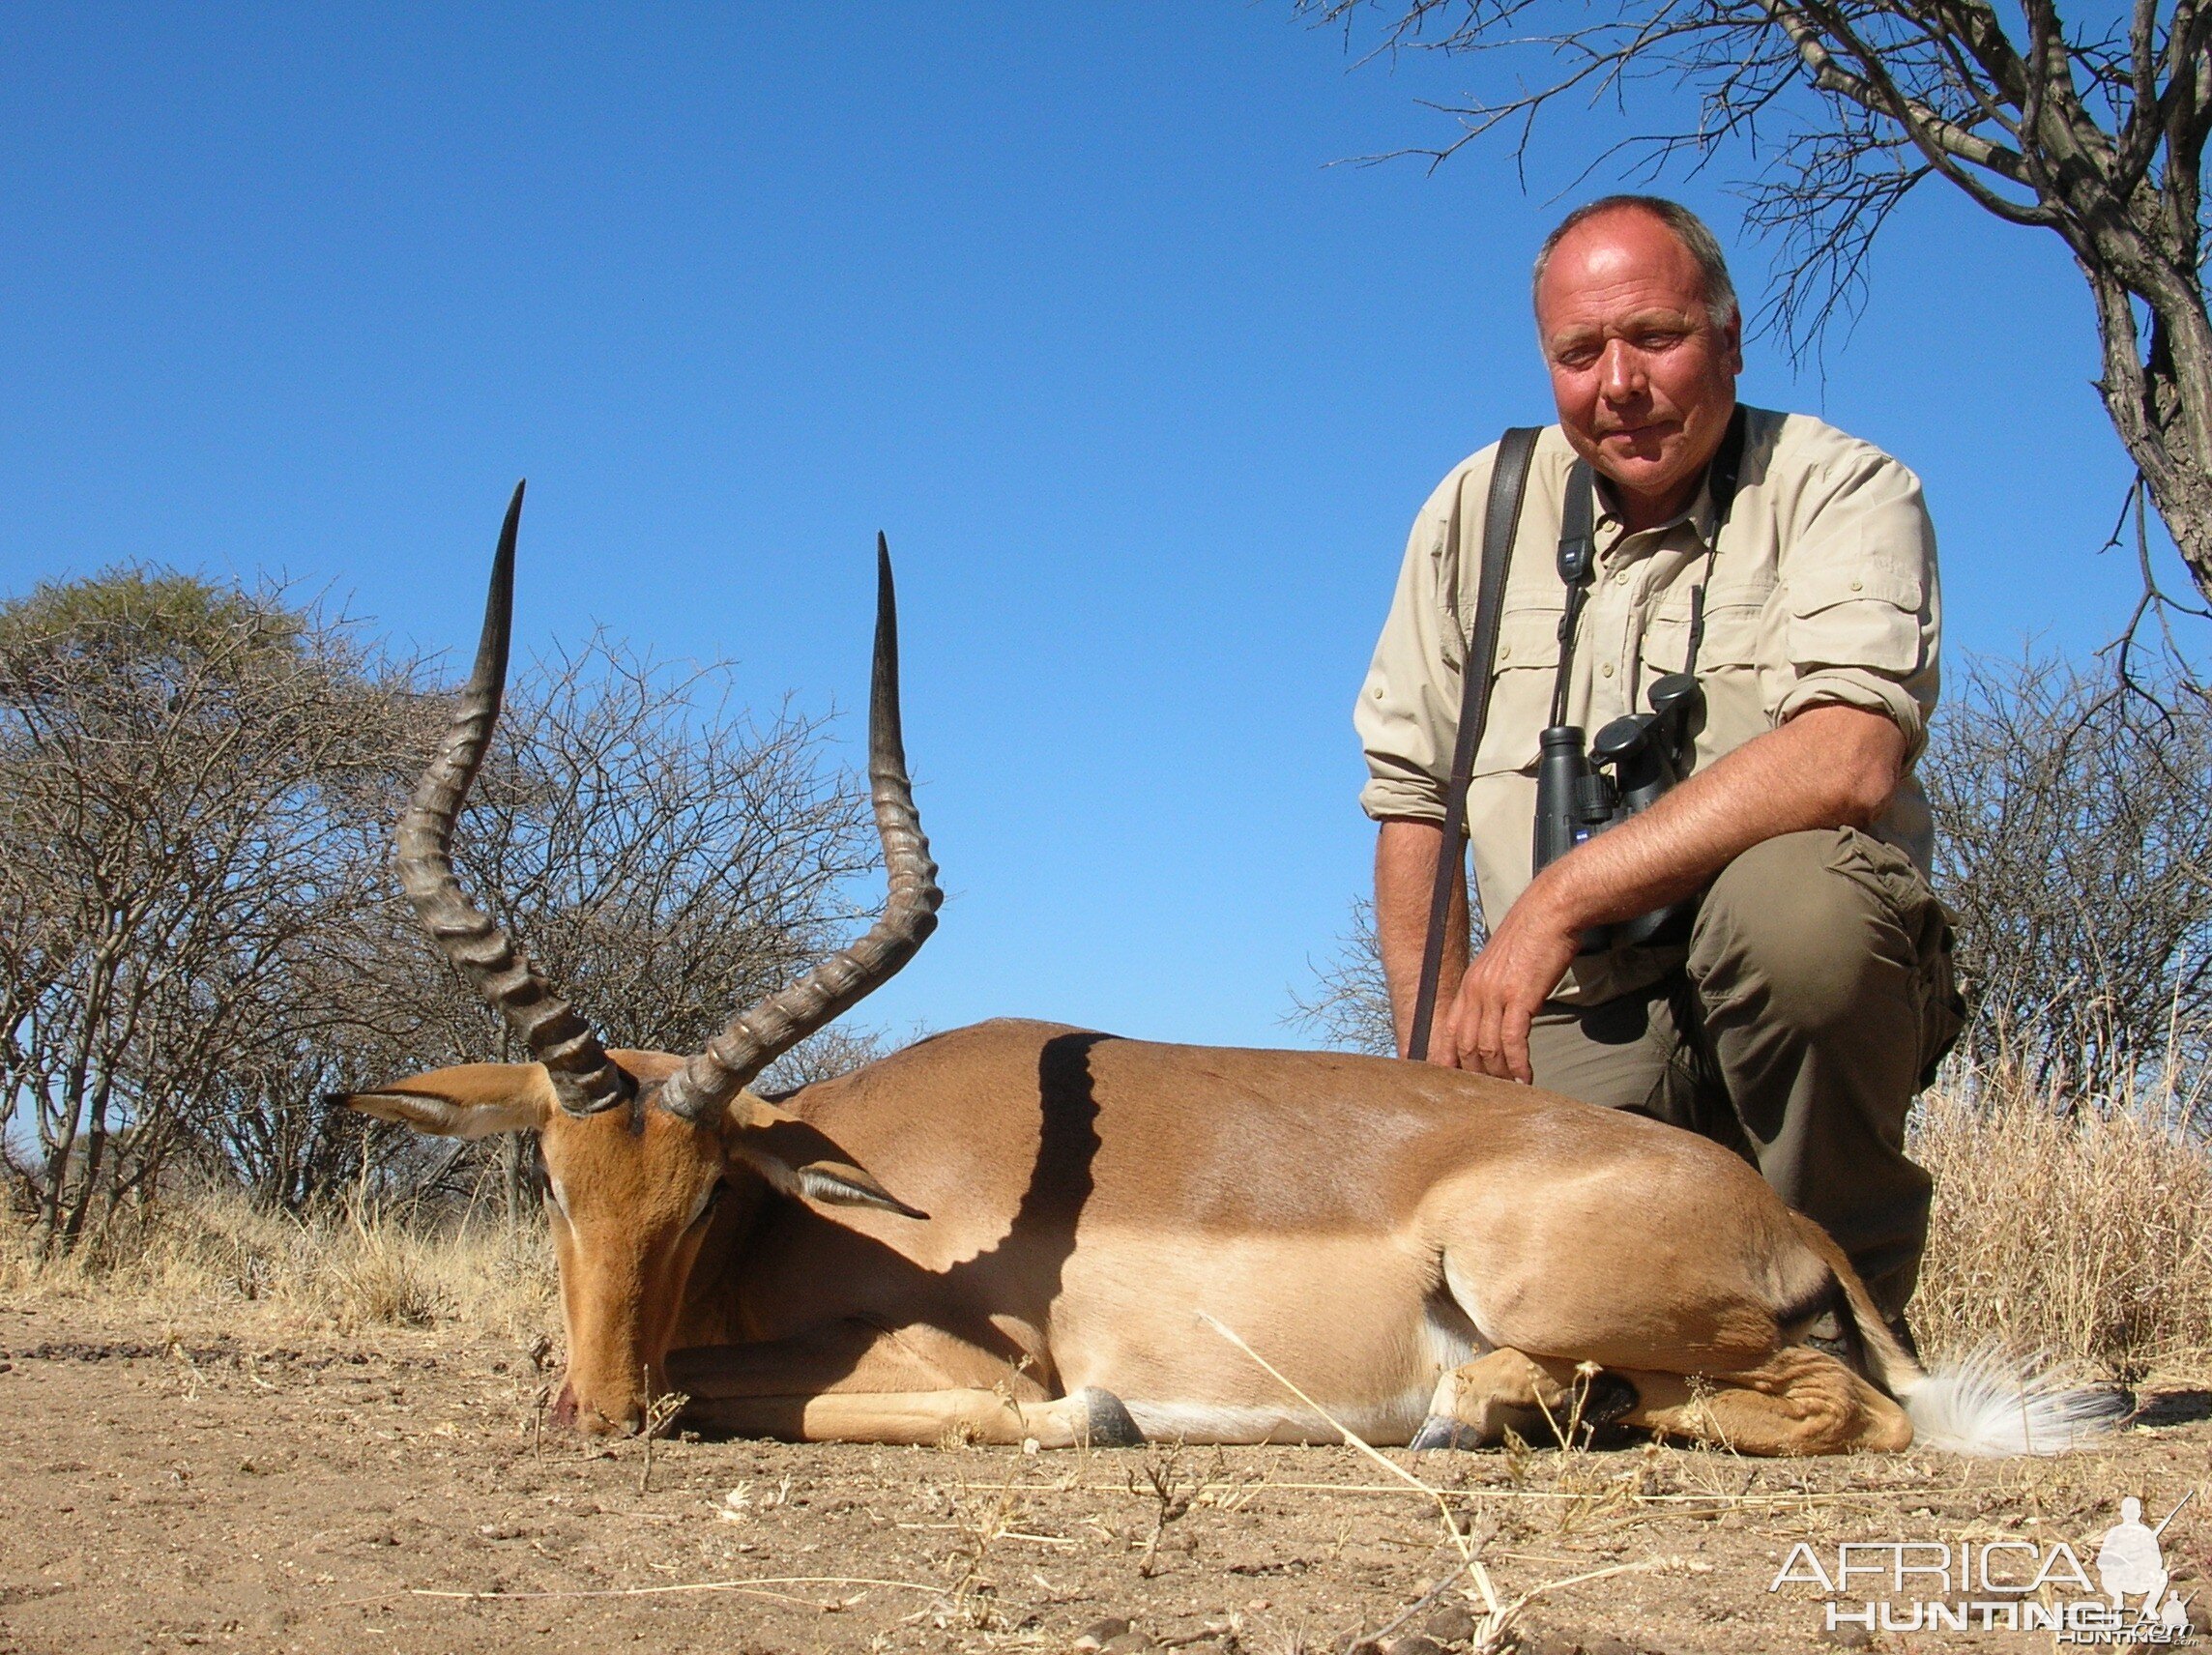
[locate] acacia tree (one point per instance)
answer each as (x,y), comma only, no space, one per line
(182,773)
(2094,131)
(2073,821)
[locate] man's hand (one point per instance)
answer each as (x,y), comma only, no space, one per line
(1829,766)
(1485,1027)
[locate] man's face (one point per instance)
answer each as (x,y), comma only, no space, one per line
(1645,382)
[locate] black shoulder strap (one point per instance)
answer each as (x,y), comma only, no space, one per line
(1578,563)
(1500,521)
(1727,465)
(1721,480)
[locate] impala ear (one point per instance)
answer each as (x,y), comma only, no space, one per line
(472,1100)
(801,1160)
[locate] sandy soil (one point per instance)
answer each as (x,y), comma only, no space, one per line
(222,1484)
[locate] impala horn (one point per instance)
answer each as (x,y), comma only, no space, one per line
(756,1038)
(585,1079)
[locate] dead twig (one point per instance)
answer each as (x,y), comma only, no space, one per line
(754,1586)
(1419,1604)
(659,1412)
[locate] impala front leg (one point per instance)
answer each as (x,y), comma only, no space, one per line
(852,1381)
(1089,1418)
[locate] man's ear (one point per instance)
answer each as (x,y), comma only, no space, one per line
(801,1160)
(472,1100)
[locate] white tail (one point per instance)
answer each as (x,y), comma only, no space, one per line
(1991,1403)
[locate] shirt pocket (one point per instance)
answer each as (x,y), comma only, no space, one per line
(1866,614)
(1735,623)
(1520,690)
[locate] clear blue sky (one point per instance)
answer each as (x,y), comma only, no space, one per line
(1067,298)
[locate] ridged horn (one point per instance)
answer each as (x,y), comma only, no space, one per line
(585,1080)
(756,1038)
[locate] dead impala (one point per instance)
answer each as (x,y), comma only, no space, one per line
(1021,1231)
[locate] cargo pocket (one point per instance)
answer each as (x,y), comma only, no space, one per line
(1944,1008)
(1928,927)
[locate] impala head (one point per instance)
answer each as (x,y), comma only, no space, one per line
(641,1146)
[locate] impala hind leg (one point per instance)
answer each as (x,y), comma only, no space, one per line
(1799,1400)
(1538,1398)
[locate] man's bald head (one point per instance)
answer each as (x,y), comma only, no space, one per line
(1699,241)
(1640,332)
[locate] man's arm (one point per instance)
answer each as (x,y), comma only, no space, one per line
(1405,852)
(1829,766)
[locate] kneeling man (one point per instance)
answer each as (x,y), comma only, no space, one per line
(1799,1011)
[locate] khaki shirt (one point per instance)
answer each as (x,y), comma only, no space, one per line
(1823,589)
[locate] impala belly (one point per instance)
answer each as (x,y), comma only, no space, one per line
(1363,1330)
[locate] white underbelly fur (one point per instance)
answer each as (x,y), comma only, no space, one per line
(1444,1342)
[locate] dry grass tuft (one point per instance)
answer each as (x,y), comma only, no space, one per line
(2086,1235)
(350,1269)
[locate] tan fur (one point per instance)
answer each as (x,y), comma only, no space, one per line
(1369,1227)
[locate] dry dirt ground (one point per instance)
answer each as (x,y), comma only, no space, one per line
(220,1484)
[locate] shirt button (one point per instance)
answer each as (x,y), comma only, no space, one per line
(1620,577)
(1858,586)
(1607,669)
(1505,651)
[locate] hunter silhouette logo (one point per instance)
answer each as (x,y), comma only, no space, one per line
(2131,1563)
(2005,1585)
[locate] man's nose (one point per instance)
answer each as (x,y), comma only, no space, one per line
(1622,370)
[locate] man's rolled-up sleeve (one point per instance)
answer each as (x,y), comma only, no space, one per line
(1861,610)
(1408,705)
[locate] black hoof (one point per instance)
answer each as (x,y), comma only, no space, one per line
(1610,1397)
(1106,1423)
(1439,1430)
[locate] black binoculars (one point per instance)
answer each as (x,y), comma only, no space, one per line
(1647,753)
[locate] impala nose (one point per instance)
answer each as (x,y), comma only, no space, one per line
(571,1413)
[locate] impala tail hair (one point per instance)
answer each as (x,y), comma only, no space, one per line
(1995,1404)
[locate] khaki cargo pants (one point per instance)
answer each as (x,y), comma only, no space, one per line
(1814,1004)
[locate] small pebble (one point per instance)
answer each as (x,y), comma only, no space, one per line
(1415,1643)
(1545,1643)
(1449,1623)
